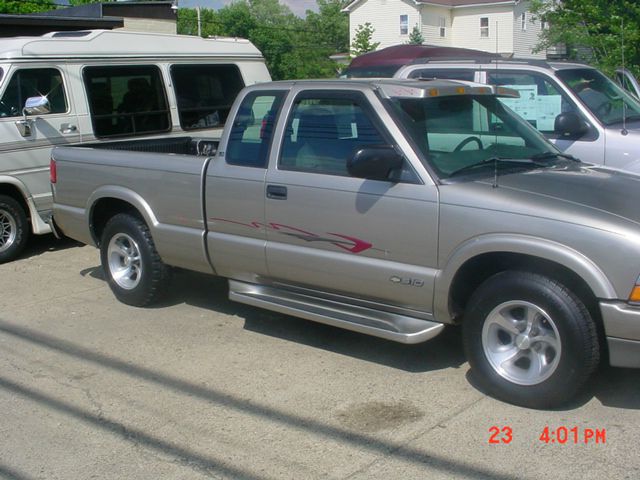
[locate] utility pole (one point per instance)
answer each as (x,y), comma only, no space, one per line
(199,24)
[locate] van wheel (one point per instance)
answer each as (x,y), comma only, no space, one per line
(133,269)
(529,340)
(14,229)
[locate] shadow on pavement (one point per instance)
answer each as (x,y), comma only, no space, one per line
(215,398)
(614,387)
(39,244)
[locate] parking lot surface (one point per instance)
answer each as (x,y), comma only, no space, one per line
(200,387)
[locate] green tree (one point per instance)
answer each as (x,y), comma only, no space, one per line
(593,30)
(292,47)
(415,37)
(362,40)
(25,6)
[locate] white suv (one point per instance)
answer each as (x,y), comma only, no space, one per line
(577,107)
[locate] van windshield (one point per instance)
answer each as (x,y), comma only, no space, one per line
(603,97)
(456,134)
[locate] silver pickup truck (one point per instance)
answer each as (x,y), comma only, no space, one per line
(389,207)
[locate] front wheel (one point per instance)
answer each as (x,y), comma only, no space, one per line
(529,340)
(14,229)
(133,269)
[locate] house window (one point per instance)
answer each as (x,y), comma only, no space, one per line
(523,22)
(404,24)
(484,27)
(443,26)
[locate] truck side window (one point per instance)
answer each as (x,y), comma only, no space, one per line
(205,93)
(448,73)
(126,100)
(323,133)
(540,100)
(252,130)
(33,82)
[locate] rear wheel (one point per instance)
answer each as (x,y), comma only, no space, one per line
(529,340)
(14,229)
(134,271)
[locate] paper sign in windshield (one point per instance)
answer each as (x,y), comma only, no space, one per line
(543,109)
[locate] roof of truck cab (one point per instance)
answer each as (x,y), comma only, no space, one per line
(123,44)
(397,87)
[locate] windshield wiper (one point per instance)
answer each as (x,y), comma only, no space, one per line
(496,161)
(549,155)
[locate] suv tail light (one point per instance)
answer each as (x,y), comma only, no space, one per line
(53,171)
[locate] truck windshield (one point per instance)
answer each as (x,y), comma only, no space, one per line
(455,134)
(603,97)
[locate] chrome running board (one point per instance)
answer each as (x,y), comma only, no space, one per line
(392,326)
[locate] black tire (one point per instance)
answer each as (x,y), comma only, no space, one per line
(133,269)
(529,340)
(14,229)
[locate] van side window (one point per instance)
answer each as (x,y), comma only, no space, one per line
(540,100)
(33,82)
(205,93)
(323,133)
(126,100)
(252,131)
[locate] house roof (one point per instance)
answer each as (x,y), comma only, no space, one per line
(444,3)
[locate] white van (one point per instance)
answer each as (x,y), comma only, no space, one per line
(102,85)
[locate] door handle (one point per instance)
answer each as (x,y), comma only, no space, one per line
(66,128)
(277,192)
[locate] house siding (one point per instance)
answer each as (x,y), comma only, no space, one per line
(525,41)
(431,26)
(466,28)
(384,16)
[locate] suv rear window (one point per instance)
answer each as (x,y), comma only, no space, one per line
(126,100)
(205,93)
(448,73)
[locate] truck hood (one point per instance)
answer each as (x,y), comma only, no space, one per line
(572,192)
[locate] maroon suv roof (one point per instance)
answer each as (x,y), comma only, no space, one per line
(404,54)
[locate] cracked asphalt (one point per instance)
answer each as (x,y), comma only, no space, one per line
(200,387)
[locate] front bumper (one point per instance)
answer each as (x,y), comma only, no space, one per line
(622,327)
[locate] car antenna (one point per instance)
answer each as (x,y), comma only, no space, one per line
(624,131)
(495,158)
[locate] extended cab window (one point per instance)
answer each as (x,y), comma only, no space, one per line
(205,93)
(252,130)
(33,82)
(323,133)
(540,100)
(126,100)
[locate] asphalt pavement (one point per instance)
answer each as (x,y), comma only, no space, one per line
(201,387)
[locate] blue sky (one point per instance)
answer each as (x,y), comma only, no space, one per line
(299,7)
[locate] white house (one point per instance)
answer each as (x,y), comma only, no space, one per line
(498,26)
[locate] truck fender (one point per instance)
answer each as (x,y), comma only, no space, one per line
(125,195)
(518,244)
(38,225)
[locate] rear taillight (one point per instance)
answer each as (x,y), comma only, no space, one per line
(53,171)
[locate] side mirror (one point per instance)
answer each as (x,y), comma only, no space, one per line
(37,106)
(374,162)
(569,124)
